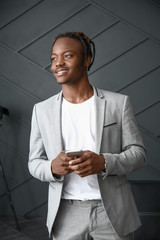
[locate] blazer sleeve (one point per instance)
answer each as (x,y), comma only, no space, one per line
(133,155)
(38,164)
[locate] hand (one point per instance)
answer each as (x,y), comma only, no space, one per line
(60,165)
(89,163)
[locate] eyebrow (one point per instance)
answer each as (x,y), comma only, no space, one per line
(63,52)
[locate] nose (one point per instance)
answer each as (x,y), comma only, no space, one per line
(60,62)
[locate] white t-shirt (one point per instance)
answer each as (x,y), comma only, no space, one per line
(78,132)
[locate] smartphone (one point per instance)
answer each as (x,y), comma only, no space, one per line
(74,153)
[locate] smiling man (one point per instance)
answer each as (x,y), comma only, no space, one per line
(89,195)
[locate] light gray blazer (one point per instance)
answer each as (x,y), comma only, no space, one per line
(117,136)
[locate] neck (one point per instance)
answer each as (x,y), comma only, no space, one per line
(77,94)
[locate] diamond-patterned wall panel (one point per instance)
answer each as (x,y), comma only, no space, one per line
(114,42)
(150,120)
(26,75)
(9,10)
(38,21)
(39,51)
(144,14)
(5,206)
(15,167)
(145,85)
(152,170)
(131,66)
(27,193)
(16,135)
(16,104)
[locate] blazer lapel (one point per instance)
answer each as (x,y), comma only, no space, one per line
(99,112)
(56,120)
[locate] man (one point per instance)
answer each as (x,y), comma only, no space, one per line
(89,195)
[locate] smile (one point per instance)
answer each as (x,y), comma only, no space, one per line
(61,71)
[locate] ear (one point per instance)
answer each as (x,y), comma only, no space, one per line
(87,61)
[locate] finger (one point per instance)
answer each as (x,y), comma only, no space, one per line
(65,172)
(69,170)
(78,160)
(86,151)
(78,167)
(67,159)
(75,161)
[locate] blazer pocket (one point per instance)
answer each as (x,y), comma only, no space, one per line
(110,124)
(111,136)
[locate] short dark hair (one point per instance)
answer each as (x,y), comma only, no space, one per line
(88,44)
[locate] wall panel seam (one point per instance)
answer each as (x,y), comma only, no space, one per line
(150,134)
(17,186)
(115,58)
(144,75)
(106,29)
(19,88)
(21,14)
(47,32)
(145,109)
(35,208)
(126,22)
(24,58)
(150,167)
(12,149)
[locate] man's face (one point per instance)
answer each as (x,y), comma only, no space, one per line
(68,64)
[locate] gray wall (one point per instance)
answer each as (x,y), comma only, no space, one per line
(127,38)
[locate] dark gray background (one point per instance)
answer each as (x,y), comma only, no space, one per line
(127,38)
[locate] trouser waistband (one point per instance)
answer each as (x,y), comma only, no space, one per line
(82,202)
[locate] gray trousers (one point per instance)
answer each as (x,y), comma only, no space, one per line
(83,220)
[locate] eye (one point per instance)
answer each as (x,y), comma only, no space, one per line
(66,56)
(53,59)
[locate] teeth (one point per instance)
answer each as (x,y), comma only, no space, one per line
(60,72)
